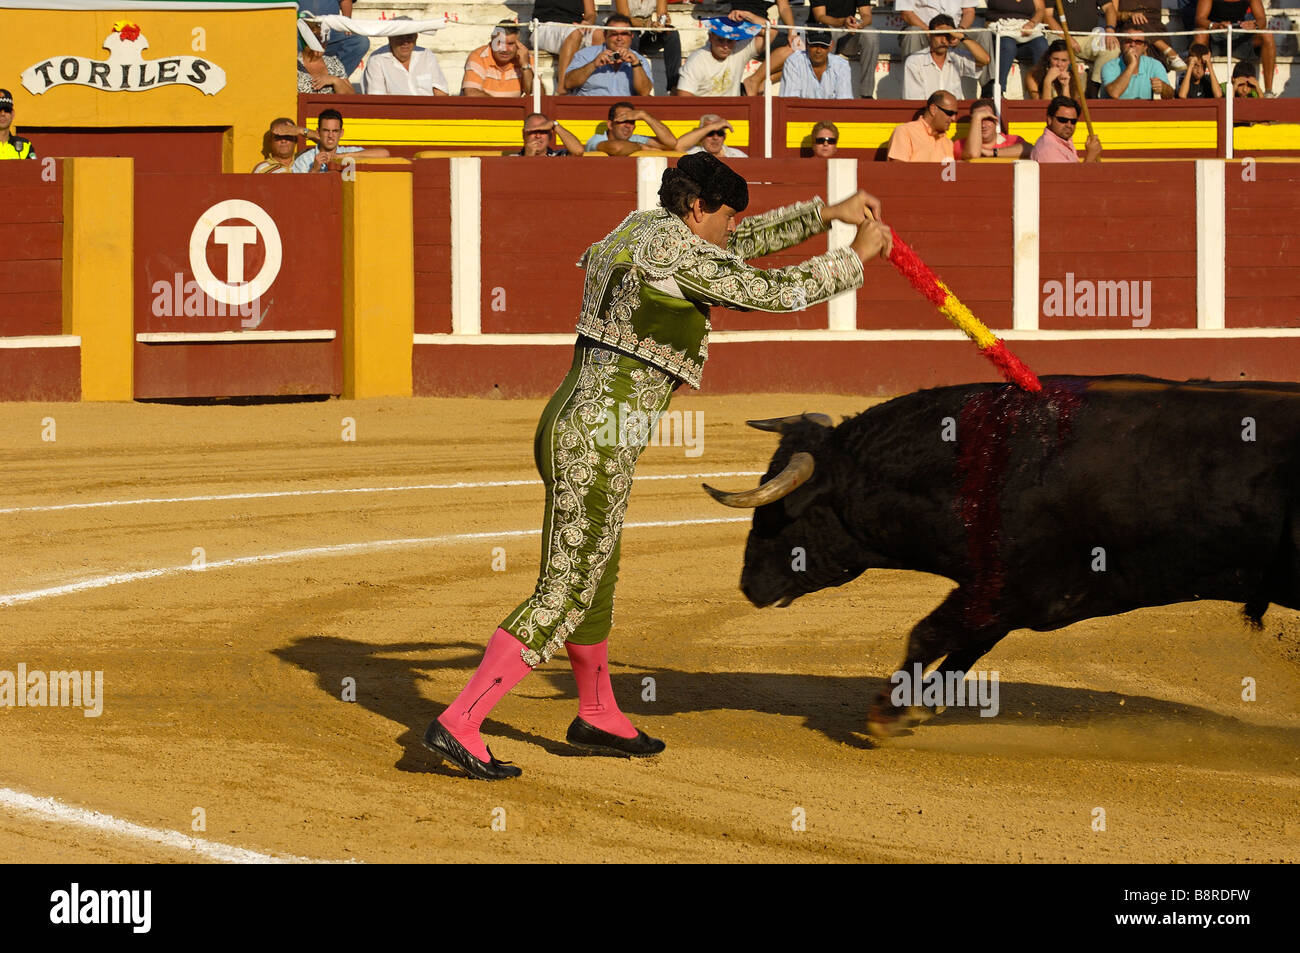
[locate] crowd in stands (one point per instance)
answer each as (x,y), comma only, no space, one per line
(942,46)
(945,52)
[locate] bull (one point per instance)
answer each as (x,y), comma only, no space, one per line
(1097,496)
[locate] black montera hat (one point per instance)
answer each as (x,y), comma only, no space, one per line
(6,99)
(718,182)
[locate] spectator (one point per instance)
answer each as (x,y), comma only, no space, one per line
(612,69)
(711,137)
(1247,14)
(348,48)
(404,69)
(1056,144)
(538,140)
(986,138)
(917,15)
(925,139)
(12,146)
(1018,26)
(622,139)
(655,13)
(318,71)
(559,33)
(938,68)
(1145,16)
(1244,83)
(815,74)
(719,68)
(281,142)
(825,140)
(1050,76)
(1134,75)
(501,68)
(1095,48)
(862,50)
(1198,80)
(324,157)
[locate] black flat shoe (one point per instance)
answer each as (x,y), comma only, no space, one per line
(585,735)
(444,744)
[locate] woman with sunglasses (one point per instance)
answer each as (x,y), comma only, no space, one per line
(642,332)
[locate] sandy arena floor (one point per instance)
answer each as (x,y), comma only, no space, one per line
(223,686)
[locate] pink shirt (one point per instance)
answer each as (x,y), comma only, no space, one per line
(1052,148)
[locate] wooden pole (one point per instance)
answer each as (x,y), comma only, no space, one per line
(1074,69)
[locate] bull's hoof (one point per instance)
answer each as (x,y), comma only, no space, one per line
(884,721)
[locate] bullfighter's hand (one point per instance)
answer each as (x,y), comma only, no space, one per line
(854,210)
(874,238)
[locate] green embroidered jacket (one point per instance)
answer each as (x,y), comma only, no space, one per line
(650,282)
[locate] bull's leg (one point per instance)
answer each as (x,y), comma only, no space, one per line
(943,634)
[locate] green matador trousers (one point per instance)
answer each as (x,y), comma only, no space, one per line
(588,441)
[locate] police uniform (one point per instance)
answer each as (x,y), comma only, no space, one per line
(17,148)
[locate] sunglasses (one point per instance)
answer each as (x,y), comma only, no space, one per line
(950,113)
(1067,122)
(716,132)
(825,141)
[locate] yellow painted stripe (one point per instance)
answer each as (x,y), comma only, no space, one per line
(853,135)
(504,133)
(1280,136)
(584,129)
(1202,134)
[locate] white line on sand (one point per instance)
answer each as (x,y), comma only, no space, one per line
(340,549)
(49,809)
(98,504)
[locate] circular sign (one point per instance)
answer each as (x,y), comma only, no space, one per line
(235,290)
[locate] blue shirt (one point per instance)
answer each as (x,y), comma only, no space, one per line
(304,161)
(606,80)
(600,137)
(799,80)
(1139,87)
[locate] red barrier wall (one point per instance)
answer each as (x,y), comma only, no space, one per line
(31,249)
(195,149)
(1262,245)
(304,215)
(535,227)
(958,219)
(1142,228)
(431,207)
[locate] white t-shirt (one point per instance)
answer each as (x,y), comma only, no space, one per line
(384,76)
(704,75)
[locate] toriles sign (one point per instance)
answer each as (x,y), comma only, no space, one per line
(126,69)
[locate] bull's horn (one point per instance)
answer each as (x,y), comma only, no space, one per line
(782,424)
(795,474)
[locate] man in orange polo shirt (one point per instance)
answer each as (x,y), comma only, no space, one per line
(926,139)
(502,68)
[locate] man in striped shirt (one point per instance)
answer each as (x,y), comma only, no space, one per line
(502,68)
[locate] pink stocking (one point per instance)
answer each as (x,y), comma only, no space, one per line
(596,704)
(501,670)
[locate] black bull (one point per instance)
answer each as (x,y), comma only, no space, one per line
(1097,496)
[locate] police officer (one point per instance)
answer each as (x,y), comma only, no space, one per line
(11,146)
